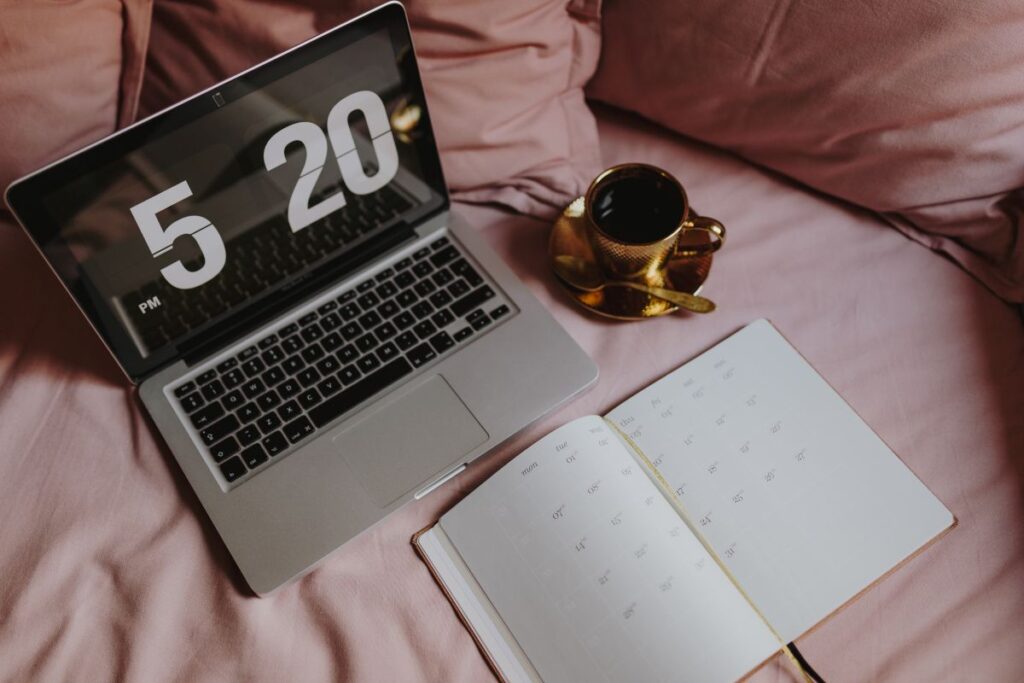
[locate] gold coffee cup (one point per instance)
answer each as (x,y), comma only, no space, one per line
(637,215)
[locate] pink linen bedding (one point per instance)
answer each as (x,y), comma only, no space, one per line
(109,571)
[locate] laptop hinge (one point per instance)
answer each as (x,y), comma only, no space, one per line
(250,320)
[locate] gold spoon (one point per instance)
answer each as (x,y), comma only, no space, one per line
(587,277)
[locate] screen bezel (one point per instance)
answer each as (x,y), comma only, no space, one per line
(25,196)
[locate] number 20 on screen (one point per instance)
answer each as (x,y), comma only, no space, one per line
(301,213)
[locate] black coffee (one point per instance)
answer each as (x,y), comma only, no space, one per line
(638,206)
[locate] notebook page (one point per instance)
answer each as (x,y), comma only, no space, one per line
(594,573)
(800,499)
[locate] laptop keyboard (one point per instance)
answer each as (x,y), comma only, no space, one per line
(272,395)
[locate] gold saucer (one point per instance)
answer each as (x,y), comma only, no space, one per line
(683,274)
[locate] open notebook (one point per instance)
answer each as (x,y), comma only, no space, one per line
(586,558)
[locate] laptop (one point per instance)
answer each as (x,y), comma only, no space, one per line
(275,264)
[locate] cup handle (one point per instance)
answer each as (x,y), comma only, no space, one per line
(710,225)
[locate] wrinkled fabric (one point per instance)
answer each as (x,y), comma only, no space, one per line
(912,109)
(109,569)
(503,80)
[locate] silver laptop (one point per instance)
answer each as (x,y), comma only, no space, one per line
(274,262)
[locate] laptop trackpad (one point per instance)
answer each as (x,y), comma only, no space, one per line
(408,439)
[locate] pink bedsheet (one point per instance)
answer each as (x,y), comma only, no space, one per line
(109,570)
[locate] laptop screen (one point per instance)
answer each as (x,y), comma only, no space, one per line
(201,215)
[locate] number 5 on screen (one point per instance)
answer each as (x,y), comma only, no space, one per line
(160,239)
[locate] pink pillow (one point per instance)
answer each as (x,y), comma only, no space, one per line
(70,74)
(504,80)
(914,109)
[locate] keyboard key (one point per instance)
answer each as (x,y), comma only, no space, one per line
(233,378)
(347,296)
(253,367)
(267,342)
(385,274)
(422,310)
(366,342)
(368,363)
(349,375)
(292,344)
(309,398)
(186,388)
(422,269)
(288,388)
(499,312)
(223,427)
(405,279)
(311,334)
(462,268)
(329,386)
(407,340)
(364,286)
(273,376)
(407,298)
(386,290)
(424,288)
(275,443)
(268,401)
(192,402)
(331,342)
(351,331)
(330,322)
(293,364)
(440,299)
(297,429)
(206,377)
(370,320)
(273,355)
(442,318)
(307,319)
(232,469)
(347,354)
(437,244)
(227,365)
(368,301)
(403,263)
(472,300)
(442,342)
(442,277)
(289,410)
(308,377)
(232,400)
(475,315)
(248,353)
(328,366)
(253,388)
(424,329)
(385,332)
(404,320)
(248,412)
(458,288)
(422,253)
(350,311)
(288,330)
(360,391)
(480,323)
(327,308)
(464,334)
(388,309)
(421,354)
(207,415)
(248,435)
(313,353)
(213,390)
(254,456)
(444,256)
(387,351)
(268,423)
